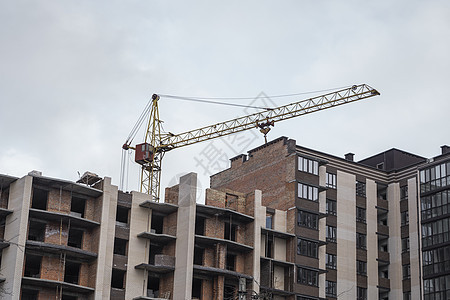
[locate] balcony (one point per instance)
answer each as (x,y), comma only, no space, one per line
(158,238)
(163,264)
(53,284)
(163,208)
(383,230)
(71,252)
(223,213)
(383,257)
(207,241)
(56,216)
(384,283)
(382,204)
(211,271)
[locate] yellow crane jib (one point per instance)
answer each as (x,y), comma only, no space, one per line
(150,153)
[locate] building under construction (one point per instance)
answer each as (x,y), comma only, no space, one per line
(283,222)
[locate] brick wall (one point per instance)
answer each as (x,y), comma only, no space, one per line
(269,168)
(52,268)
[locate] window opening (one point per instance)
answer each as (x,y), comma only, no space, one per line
(36,231)
(118,279)
(75,238)
(122,214)
(33,266)
(77,207)
(120,246)
(157,224)
(40,198)
(72,272)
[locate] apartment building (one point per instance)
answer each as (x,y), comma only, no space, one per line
(373,229)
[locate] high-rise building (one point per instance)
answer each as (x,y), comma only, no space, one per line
(283,222)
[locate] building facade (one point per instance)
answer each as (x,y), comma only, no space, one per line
(283,222)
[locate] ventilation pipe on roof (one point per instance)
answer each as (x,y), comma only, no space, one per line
(349,156)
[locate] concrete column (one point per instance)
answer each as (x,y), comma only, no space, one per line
(322,231)
(106,240)
(394,244)
(184,251)
(414,237)
(372,239)
(16,233)
(138,248)
(346,233)
(260,218)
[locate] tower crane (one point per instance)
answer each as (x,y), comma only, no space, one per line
(150,153)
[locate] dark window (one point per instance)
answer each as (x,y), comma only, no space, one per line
(198,256)
(32,266)
(331,234)
(405,244)
(308,165)
(331,207)
(308,192)
(120,246)
(72,272)
(330,288)
(200,226)
(152,287)
(196,288)
(39,200)
(331,180)
(118,279)
(36,231)
(307,219)
(436,261)
(29,295)
(77,207)
(404,192)
(122,214)
(75,238)
(361,293)
(361,267)
(307,276)
(360,189)
(360,240)
(404,218)
(230,231)
(307,248)
(407,296)
(406,271)
(157,223)
(361,214)
(330,261)
(231,262)
(269,247)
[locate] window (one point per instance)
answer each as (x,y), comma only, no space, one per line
(39,200)
(404,216)
(72,272)
(331,207)
(361,267)
(269,221)
(331,180)
(404,192)
(436,232)
(361,214)
(330,261)
(360,189)
(120,246)
(435,177)
(307,219)
(406,271)
(75,238)
(308,192)
(308,165)
(118,279)
(436,261)
(330,288)
(361,293)
(230,231)
(405,244)
(77,207)
(307,276)
(435,205)
(407,296)
(122,214)
(307,248)
(331,234)
(231,262)
(360,240)
(436,288)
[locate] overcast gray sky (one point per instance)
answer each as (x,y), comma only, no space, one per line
(75,76)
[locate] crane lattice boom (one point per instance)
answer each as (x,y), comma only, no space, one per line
(149,154)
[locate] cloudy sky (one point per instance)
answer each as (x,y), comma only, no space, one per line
(76,75)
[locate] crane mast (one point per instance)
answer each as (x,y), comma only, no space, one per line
(150,153)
